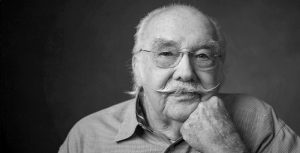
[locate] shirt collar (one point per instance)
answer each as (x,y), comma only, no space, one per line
(134,116)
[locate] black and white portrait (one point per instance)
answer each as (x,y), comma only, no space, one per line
(112,76)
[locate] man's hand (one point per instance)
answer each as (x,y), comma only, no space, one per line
(209,129)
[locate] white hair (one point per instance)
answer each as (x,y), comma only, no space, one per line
(139,36)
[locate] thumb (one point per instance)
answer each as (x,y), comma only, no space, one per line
(207,97)
(212,101)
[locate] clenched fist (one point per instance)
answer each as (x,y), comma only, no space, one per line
(209,129)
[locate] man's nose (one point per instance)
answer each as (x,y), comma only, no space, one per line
(184,70)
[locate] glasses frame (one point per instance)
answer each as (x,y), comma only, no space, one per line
(216,55)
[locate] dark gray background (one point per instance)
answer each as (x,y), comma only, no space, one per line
(62,60)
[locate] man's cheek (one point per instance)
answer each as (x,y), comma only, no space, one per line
(158,78)
(208,79)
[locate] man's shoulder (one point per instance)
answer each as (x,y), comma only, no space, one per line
(105,121)
(238,102)
(250,113)
(98,130)
(253,118)
(116,111)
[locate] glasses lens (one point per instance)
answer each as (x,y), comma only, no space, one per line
(169,58)
(204,59)
(166,58)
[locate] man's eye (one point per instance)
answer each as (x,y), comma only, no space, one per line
(165,54)
(203,56)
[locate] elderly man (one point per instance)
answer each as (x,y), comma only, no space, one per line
(178,68)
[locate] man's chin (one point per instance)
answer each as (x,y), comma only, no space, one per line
(180,111)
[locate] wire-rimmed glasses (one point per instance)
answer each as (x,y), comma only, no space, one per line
(168,58)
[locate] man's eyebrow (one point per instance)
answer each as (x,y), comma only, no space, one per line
(160,42)
(207,44)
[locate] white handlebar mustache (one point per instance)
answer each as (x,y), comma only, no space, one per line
(184,87)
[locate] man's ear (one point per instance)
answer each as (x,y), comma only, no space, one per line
(133,62)
(136,70)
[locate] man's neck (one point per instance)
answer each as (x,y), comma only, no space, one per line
(160,124)
(171,130)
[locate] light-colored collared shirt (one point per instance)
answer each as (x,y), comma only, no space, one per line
(120,129)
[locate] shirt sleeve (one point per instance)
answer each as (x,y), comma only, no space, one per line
(262,131)
(285,140)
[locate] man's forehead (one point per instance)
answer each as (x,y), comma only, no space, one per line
(172,28)
(179,16)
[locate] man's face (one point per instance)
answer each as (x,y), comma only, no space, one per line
(187,32)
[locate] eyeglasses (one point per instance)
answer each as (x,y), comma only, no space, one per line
(169,58)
